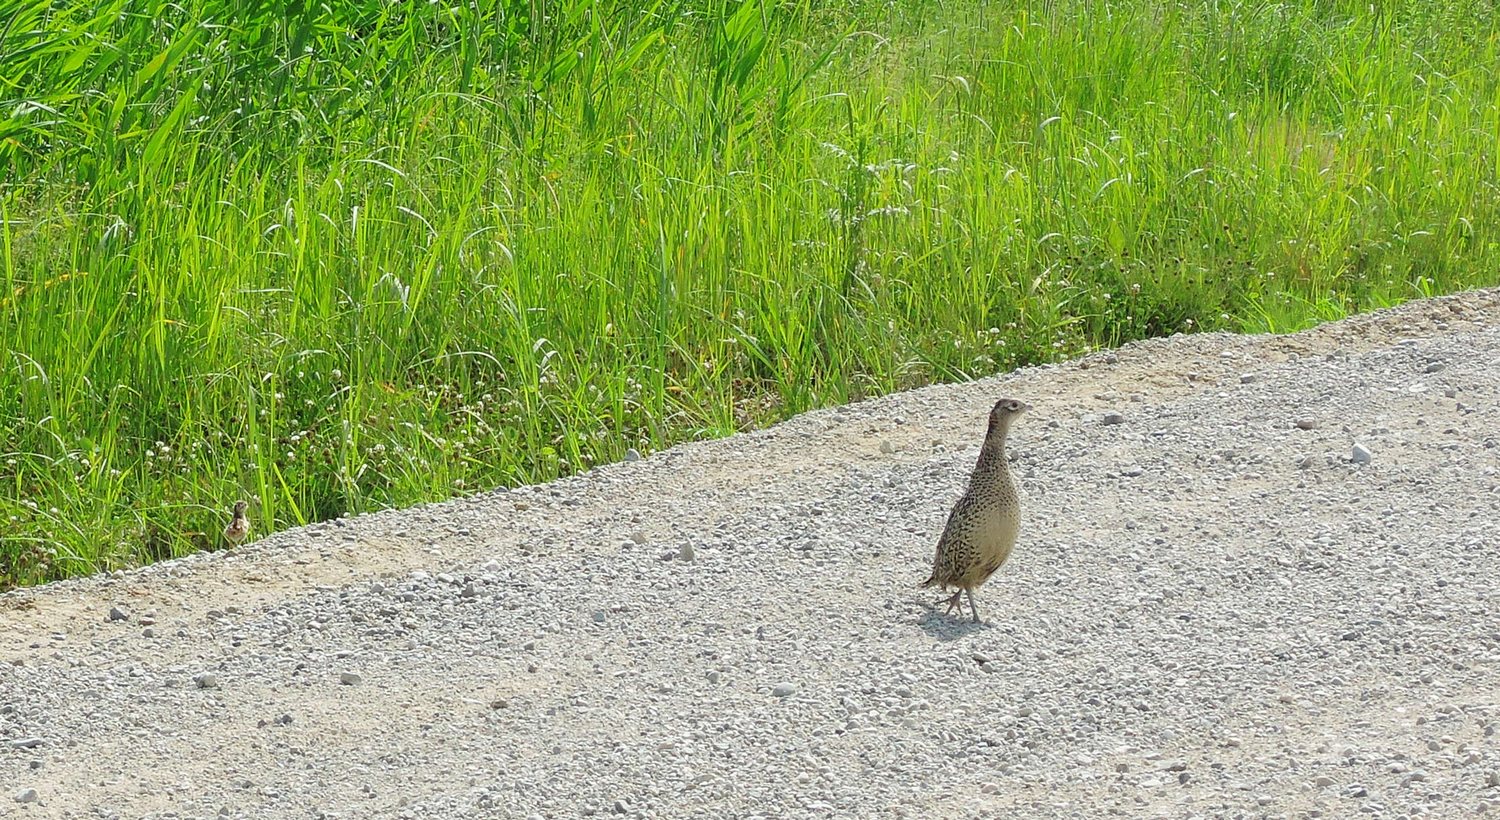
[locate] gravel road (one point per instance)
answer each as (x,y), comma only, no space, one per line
(1214,610)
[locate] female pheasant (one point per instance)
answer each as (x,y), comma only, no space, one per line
(983,524)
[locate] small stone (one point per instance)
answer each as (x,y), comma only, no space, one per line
(500,703)
(599,616)
(350,678)
(469,591)
(1132,471)
(1361,454)
(886,447)
(1025,711)
(1307,424)
(784,690)
(989,788)
(713,676)
(1246,378)
(1114,418)
(686,552)
(206,680)
(148,632)
(26,743)
(1323,781)
(632,454)
(1434,367)
(1492,779)
(118,614)
(26,796)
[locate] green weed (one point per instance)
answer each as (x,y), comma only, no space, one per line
(363,254)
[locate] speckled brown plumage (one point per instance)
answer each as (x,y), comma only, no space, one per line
(982,527)
(239,525)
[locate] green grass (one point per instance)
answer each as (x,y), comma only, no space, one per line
(382,253)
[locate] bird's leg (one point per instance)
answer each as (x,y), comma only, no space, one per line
(972,608)
(956,602)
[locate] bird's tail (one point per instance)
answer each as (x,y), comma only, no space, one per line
(931,581)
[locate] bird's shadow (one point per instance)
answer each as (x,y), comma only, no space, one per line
(944,627)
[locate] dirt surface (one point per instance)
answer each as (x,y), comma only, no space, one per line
(1214,609)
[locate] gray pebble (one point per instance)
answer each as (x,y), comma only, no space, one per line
(206,680)
(632,454)
(26,796)
(1307,424)
(1246,378)
(26,743)
(1434,367)
(599,616)
(1114,418)
(1087,681)
(118,614)
(1361,454)
(350,678)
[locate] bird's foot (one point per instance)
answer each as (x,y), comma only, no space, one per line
(956,603)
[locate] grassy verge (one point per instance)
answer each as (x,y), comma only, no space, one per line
(377,253)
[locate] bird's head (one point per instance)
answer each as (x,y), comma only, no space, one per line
(1005,412)
(240,507)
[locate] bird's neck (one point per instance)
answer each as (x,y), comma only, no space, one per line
(991,456)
